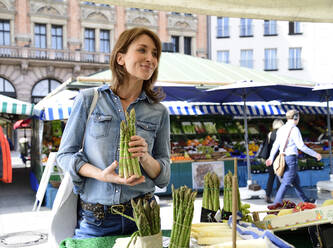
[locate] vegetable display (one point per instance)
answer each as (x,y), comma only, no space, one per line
(211,233)
(183,208)
(227,196)
(128,165)
(211,192)
(147,217)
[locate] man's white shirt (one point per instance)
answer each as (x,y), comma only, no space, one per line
(295,141)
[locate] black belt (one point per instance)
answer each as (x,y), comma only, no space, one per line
(100,210)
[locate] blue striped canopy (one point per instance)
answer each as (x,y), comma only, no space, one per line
(254,109)
(258,109)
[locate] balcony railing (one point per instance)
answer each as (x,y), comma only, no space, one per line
(246,63)
(271,64)
(53,54)
(295,64)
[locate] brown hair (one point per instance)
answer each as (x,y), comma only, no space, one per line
(119,72)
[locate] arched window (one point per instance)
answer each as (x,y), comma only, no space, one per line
(6,88)
(42,88)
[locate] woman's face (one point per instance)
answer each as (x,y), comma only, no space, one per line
(140,61)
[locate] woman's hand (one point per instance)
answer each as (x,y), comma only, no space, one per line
(138,147)
(268,162)
(109,175)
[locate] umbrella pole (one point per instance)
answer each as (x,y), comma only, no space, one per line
(329,135)
(246,137)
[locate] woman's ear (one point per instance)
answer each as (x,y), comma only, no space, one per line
(120,59)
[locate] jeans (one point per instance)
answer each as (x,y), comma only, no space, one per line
(270,181)
(112,224)
(290,178)
(88,226)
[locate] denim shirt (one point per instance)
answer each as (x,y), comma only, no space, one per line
(101,144)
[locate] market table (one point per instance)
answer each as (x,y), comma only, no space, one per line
(102,242)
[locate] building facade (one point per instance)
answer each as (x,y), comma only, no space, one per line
(44,43)
(299,50)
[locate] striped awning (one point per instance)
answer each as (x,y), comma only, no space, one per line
(13,106)
(257,109)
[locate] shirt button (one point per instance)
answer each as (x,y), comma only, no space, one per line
(119,110)
(117,191)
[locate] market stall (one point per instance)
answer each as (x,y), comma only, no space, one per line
(211,135)
(11,110)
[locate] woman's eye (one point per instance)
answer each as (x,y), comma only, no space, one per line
(142,50)
(154,54)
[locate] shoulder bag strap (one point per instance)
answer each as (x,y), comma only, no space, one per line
(285,145)
(91,109)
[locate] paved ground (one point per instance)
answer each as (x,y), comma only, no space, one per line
(17,199)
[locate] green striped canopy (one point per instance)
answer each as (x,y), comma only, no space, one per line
(186,69)
(13,106)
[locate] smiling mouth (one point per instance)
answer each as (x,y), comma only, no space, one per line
(147,68)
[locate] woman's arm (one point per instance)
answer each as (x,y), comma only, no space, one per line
(157,164)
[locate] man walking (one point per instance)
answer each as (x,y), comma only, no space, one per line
(289,134)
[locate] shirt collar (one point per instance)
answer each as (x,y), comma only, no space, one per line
(142,96)
(291,123)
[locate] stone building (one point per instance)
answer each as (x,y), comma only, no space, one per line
(43,43)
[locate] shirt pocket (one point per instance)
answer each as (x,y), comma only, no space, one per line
(100,126)
(147,130)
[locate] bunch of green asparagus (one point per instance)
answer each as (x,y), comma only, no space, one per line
(227,195)
(128,165)
(211,192)
(147,217)
(183,208)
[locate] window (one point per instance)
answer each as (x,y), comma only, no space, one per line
(270,28)
(223,56)
(40,40)
(56,37)
(105,41)
(246,58)
(4,33)
(270,59)
(6,88)
(40,35)
(187,14)
(295,28)
(42,88)
(222,27)
(187,45)
(175,42)
(89,39)
(246,27)
(88,3)
(295,59)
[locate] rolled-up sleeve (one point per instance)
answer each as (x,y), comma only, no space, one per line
(69,156)
(161,151)
(300,144)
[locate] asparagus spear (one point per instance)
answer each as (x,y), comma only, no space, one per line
(122,150)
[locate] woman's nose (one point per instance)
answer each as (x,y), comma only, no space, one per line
(149,57)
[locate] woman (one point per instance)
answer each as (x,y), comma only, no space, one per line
(290,137)
(277,123)
(134,66)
